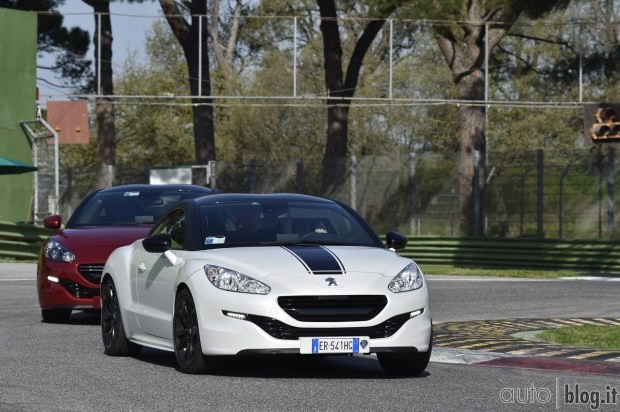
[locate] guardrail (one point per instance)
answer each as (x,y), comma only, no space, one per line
(587,255)
(21,240)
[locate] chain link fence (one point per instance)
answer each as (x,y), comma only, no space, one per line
(531,194)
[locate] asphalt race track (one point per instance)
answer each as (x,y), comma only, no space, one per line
(483,359)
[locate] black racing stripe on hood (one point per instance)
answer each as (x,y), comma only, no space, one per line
(317,259)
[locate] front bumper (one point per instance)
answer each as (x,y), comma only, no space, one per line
(234,323)
(61,285)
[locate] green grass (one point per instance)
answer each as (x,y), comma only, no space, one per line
(513,272)
(586,336)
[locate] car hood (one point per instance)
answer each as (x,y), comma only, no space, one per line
(262,262)
(95,243)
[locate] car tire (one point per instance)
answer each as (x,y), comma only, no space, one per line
(187,347)
(55,315)
(405,364)
(115,342)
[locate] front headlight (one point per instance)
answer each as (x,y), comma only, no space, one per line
(232,281)
(56,251)
(410,278)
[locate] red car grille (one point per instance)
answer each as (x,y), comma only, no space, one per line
(91,272)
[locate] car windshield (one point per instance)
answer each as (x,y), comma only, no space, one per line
(130,207)
(281,222)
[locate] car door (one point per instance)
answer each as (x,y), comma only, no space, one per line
(156,278)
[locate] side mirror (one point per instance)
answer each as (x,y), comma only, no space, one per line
(395,240)
(158,243)
(52,222)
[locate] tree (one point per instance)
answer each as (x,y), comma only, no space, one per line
(160,134)
(224,49)
(191,37)
(341,87)
(106,132)
(147,135)
(461,34)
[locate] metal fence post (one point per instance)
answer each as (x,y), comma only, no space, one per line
(476,193)
(69,192)
(353,181)
(413,220)
(600,193)
(522,203)
(561,201)
(540,156)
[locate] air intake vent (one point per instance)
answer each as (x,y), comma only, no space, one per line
(341,308)
(280,330)
(78,290)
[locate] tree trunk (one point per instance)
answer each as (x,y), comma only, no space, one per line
(189,37)
(463,48)
(202,109)
(106,130)
(224,55)
(472,155)
(340,90)
(466,61)
(335,157)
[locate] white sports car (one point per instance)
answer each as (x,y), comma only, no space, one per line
(232,274)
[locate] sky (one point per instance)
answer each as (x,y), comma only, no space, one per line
(130,23)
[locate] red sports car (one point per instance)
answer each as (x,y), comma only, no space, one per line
(71,261)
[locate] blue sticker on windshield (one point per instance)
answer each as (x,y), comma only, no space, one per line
(213,240)
(126,194)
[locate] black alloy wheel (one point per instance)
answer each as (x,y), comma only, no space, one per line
(187,346)
(115,342)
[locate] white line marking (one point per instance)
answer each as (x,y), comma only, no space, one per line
(16,279)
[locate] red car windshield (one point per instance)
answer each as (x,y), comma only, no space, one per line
(139,207)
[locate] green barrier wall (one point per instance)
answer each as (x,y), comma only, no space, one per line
(18,54)
(22,240)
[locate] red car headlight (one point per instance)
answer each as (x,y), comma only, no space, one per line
(56,251)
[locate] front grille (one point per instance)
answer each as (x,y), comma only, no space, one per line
(281,330)
(91,273)
(78,290)
(345,308)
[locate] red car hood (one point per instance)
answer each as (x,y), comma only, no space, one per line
(94,244)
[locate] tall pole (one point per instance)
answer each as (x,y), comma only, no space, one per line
(55,208)
(295,56)
(611,181)
(485,229)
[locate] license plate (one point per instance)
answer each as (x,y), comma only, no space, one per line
(334,345)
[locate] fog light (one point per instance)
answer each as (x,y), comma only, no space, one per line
(53,279)
(416,313)
(234,315)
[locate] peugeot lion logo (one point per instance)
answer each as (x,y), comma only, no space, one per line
(331,282)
